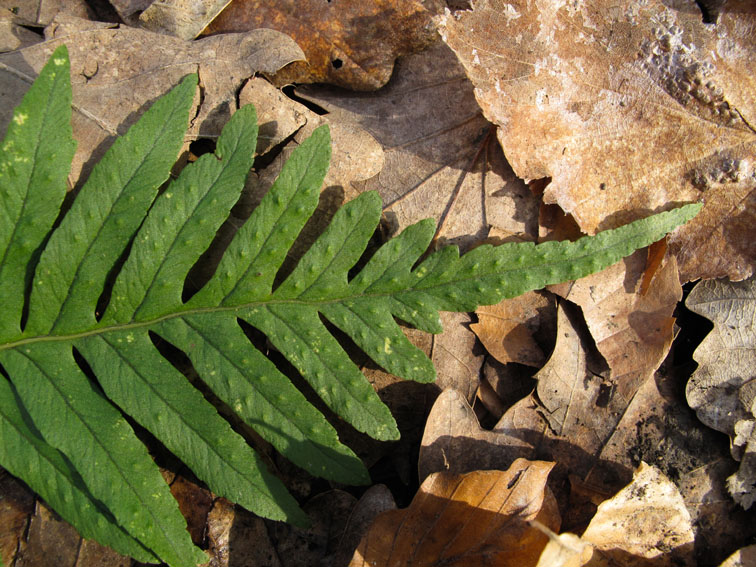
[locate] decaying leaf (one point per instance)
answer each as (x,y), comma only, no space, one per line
(647,519)
(480,518)
(627,108)
(349,43)
(723,388)
(506,329)
(438,159)
(116,72)
(646,524)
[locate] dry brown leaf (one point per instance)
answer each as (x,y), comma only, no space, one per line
(480,518)
(116,72)
(39,13)
(455,442)
(723,388)
(646,524)
(14,33)
(182,18)
(633,331)
(439,161)
(597,434)
(129,10)
(349,43)
(506,329)
(628,108)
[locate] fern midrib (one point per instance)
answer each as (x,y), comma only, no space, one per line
(273,301)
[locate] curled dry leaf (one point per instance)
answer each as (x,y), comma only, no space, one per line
(633,330)
(438,159)
(598,432)
(349,43)
(646,524)
(628,108)
(116,72)
(506,329)
(480,518)
(723,388)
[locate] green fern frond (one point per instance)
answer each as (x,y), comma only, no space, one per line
(70,376)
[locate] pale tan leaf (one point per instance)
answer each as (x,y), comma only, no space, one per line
(565,550)
(480,518)
(745,557)
(628,108)
(506,329)
(722,389)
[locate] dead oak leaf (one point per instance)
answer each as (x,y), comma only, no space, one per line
(480,518)
(116,71)
(349,43)
(723,388)
(627,108)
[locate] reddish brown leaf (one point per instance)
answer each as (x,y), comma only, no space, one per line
(349,43)
(633,331)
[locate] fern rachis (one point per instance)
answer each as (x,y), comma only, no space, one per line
(65,434)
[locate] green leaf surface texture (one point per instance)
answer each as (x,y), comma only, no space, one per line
(72,376)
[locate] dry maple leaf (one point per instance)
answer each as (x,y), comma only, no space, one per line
(627,108)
